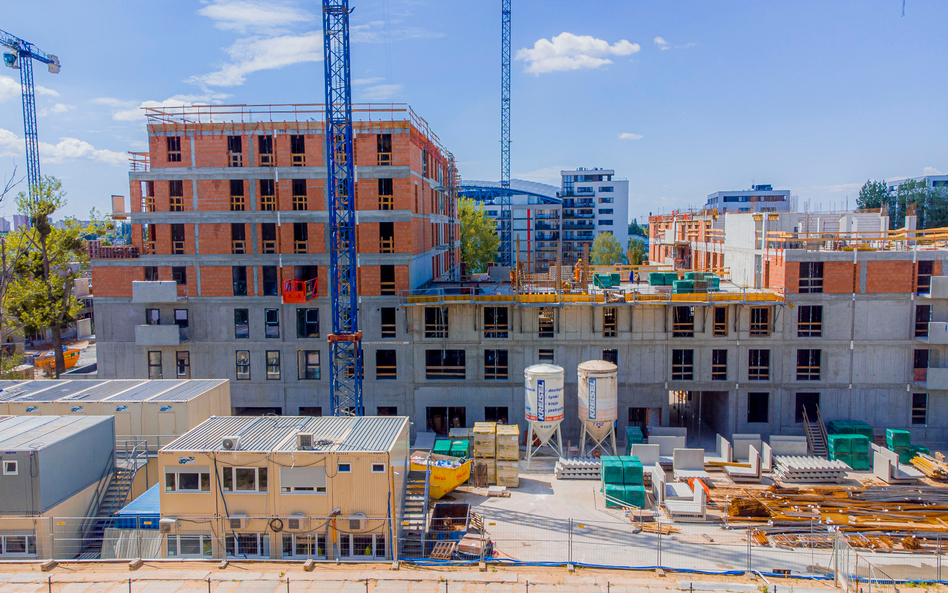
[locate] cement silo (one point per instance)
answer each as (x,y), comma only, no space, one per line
(598,403)
(543,407)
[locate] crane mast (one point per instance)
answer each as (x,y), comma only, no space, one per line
(506,223)
(345,339)
(22,59)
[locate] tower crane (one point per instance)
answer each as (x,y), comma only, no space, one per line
(21,58)
(346,338)
(506,222)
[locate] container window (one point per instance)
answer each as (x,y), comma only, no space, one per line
(378,468)
(344,468)
(10,468)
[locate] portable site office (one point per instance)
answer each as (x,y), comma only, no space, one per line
(157,411)
(285,487)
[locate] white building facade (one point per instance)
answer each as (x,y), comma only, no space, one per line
(594,201)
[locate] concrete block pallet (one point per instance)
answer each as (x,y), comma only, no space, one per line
(809,470)
(578,468)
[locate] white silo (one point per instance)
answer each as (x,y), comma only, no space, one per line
(543,407)
(598,403)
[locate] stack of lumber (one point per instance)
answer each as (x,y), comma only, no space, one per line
(809,470)
(578,468)
(931,467)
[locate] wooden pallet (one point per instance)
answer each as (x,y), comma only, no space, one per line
(443,550)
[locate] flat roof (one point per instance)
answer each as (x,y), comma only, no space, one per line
(369,434)
(116,390)
(19,433)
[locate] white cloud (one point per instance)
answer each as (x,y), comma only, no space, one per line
(67,149)
(661,43)
(378,32)
(255,53)
(572,52)
(250,15)
(368,89)
(57,108)
(10,89)
(550,175)
(134,110)
(630,136)
(931,171)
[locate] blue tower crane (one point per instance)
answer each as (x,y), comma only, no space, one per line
(21,59)
(506,223)
(346,340)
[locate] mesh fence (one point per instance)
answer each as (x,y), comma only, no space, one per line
(861,562)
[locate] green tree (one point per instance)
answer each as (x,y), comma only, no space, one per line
(479,240)
(872,195)
(40,294)
(637,252)
(606,250)
(635,229)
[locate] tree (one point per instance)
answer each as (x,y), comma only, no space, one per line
(40,295)
(637,252)
(479,240)
(606,250)
(636,230)
(872,195)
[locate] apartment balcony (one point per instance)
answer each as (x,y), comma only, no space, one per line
(937,333)
(579,203)
(931,379)
(160,335)
(300,290)
(939,288)
(543,226)
(160,291)
(575,226)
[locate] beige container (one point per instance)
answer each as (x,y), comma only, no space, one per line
(508,442)
(485,439)
(508,473)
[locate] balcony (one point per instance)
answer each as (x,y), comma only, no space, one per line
(160,335)
(162,291)
(937,333)
(96,250)
(931,379)
(579,203)
(573,226)
(939,288)
(543,226)
(300,290)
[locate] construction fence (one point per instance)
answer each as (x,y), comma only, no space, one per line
(858,560)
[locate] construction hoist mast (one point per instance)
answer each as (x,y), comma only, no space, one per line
(346,339)
(22,59)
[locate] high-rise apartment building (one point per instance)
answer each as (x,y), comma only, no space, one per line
(227,271)
(759,198)
(594,201)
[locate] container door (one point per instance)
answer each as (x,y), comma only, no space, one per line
(166,428)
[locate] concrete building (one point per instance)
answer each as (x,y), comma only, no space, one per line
(927,180)
(594,201)
(290,488)
(52,466)
(232,215)
(759,198)
(536,214)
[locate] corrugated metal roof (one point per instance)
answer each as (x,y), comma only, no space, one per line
(189,390)
(20,433)
(23,388)
(146,390)
(104,390)
(271,433)
(58,390)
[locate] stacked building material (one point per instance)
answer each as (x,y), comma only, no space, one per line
(662,278)
(633,435)
(851,449)
(809,470)
(485,449)
(900,441)
(931,467)
(849,427)
(621,480)
(507,455)
(578,468)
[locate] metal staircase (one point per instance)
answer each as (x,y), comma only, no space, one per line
(115,497)
(412,541)
(816,434)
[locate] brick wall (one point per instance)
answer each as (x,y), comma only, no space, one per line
(838,278)
(218,281)
(890,276)
(115,282)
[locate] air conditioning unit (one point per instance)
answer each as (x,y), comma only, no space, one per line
(230,443)
(297,522)
(167,525)
(357,522)
(304,440)
(237,522)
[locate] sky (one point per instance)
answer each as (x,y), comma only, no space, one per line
(681,98)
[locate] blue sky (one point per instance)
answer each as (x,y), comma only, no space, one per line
(681,98)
